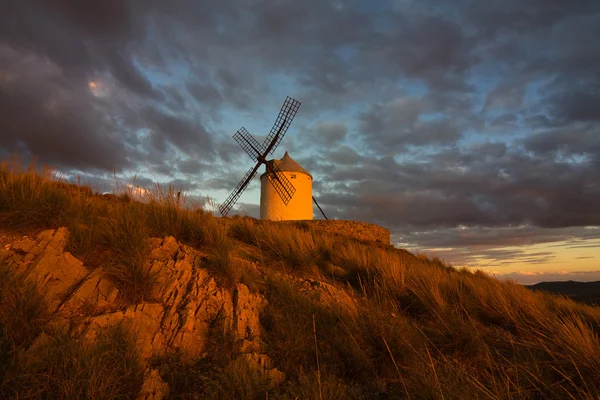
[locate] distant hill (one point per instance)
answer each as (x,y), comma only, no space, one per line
(588,292)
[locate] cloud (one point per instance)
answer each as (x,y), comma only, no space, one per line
(44,113)
(507,95)
(488,184)
(392,126)
(329,133)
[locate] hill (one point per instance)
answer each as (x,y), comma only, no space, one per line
(588,292)
(104,297)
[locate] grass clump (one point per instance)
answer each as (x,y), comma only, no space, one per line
(222,264)
(67,368)
(127,237)
(244,230)
(29,198)
(293,248)
(23,314)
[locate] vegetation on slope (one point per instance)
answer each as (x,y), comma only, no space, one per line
(409,327)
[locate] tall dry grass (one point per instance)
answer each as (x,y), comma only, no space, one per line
(111,232)
(68,368)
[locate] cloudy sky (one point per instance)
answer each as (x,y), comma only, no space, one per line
(469,128)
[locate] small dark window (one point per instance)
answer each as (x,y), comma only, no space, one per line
(293,176)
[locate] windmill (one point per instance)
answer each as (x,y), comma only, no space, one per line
(258,153)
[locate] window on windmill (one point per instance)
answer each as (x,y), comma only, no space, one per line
(293,176)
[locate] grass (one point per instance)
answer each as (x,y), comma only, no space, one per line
(293,247)
(68,368)
(60,367)
(23,314)
(419,328)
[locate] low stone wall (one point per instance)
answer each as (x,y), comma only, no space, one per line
(354,229)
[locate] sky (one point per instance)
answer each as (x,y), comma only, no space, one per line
(469,128)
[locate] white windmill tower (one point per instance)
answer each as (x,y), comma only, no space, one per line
(286,187)
(299,207)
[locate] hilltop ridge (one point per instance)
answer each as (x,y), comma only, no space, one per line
(104,297)
(588,292)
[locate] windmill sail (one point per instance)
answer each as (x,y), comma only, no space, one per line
(237,192)
(282,123)
(281,184)
(249,144)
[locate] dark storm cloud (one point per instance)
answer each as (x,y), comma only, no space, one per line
(45,114)
(479,236)
(388,128)
(50,51)
(507,95)
(204,92)
(329,133)
(187,135)
(578,102)
(484,185)
(580,140)
(223,89)
(432,48)
(192,166)
(515,16)
(504,121)
(79,38)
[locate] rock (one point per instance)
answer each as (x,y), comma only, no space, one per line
(246,318)
(24,246)
(95,295)
(186,303)
(45,262)
(153,388)
(262,364)
(142,321)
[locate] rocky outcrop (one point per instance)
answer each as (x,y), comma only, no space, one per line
(186,301)
(44,261)
(154,388)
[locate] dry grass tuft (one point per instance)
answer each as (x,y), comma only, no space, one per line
(65,368)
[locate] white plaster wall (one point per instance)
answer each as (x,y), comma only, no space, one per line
(300,207)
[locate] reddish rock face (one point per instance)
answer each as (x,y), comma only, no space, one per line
(185,299)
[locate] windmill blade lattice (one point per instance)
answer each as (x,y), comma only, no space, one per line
(237,192)
(249,144)
(284,119)
(281,184)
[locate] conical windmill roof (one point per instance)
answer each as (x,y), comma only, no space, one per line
(289,165)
